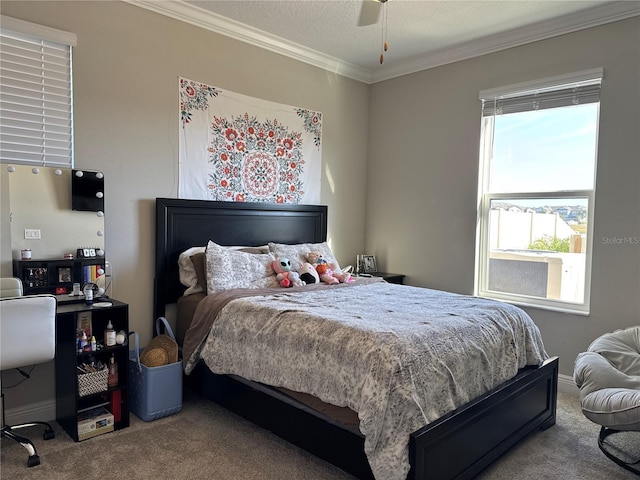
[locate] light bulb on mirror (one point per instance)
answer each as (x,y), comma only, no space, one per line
(100,253)
(100,213)
(35,170)
(99,175)
(99,194)
(79,173)
(58,172)
(100,233)
(100,271)
(11,169)
(100,291)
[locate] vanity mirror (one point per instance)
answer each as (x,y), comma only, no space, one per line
(39,216)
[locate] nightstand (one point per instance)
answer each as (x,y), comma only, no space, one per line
(390,277)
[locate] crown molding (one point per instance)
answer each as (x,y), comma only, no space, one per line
(199,17)
(520,36)
(239,31)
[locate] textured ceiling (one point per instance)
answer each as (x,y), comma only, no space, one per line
(421,33)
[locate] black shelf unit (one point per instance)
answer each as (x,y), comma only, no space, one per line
(69,404)
(55,276)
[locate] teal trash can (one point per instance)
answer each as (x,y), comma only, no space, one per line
(154,392)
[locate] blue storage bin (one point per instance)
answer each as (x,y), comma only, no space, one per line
(154,392)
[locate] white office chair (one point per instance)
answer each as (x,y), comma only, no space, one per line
(27,337)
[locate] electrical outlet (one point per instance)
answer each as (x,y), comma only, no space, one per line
(32,234)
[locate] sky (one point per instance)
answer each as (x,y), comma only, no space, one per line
(545,150)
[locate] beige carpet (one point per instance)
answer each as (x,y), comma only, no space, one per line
(205,441)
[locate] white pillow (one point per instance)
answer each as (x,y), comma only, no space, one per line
(187,272)
(297,253)
(228,268)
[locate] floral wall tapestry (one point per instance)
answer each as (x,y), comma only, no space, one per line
(243,149)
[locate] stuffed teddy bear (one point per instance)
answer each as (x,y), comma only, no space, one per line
(284,274)
(308,273)
(329,273)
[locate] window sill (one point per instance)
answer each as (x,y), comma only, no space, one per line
(529,304)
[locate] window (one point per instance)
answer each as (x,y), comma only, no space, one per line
(36,108)
(536,191)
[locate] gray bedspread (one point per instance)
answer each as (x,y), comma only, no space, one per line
(400,356)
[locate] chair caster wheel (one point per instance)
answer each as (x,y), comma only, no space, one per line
(49,434)
(33,461)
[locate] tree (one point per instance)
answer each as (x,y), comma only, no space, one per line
(554,244)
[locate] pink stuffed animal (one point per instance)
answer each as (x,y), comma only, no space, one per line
(329,273)
(284,274)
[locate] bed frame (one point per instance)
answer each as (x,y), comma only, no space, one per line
(458,445)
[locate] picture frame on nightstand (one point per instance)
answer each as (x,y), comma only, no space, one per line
(368,263)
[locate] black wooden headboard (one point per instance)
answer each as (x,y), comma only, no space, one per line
(181,224)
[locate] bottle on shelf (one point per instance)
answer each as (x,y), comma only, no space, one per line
(94,345)
(112,379)
(88,293)
(109,335)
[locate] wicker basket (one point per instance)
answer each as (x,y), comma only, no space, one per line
(89,383)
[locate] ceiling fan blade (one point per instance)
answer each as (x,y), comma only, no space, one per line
(369,12)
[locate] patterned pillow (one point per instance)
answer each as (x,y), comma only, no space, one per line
(227,268)
(199,261)
(296,253)
(192,272)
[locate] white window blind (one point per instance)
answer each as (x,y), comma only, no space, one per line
(562,91)
(36,94)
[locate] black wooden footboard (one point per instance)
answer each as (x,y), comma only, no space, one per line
(458,445)
(465,441)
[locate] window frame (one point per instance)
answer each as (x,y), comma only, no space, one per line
(485,197)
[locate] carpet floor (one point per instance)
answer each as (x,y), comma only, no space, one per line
(205,441)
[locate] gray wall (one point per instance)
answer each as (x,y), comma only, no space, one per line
(423,167)
(421,130)
(126,67)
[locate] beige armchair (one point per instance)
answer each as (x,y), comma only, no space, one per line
(608,375)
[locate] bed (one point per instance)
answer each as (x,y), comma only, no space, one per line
(458,444)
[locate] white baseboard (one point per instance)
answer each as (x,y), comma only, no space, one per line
(567,385)
(40,411)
